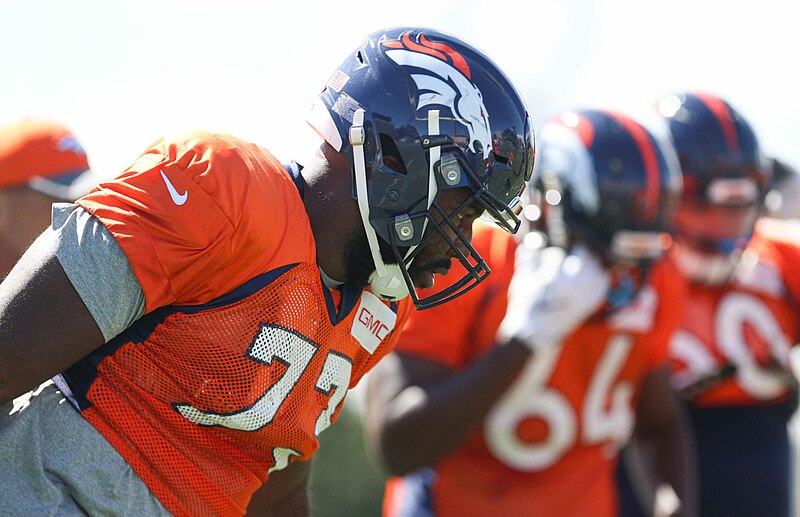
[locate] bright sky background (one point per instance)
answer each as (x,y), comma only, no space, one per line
(120,74)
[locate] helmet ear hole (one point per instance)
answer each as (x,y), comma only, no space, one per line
(390,154)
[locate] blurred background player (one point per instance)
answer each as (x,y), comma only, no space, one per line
(207,310)
(41,162)
(740,316)
(530,423)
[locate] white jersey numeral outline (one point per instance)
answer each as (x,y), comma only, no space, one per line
(530,397)
(734,312)
(275,343)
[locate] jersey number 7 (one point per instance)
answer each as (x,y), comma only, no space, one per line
(276,343)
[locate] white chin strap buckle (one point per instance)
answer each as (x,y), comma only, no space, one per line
(391,287)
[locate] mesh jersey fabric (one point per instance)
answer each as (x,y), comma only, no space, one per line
(242,358)
(549,445)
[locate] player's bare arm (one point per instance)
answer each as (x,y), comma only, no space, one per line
(421,410)
(663,437)
(285,494)
(36,340)
(413,397)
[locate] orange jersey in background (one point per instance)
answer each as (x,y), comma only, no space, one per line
(549,445)
(751,322)
(243,356)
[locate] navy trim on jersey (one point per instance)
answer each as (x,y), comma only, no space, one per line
(82,374)
(240,293)
(294,168)
(350,297)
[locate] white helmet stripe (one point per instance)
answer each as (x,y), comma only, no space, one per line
(435,156)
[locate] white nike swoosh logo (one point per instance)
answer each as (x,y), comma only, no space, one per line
(178,199)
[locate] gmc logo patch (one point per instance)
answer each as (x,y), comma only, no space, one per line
(373,322)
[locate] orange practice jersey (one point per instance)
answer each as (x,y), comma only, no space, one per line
(243,356)
(549,445)
(750,323)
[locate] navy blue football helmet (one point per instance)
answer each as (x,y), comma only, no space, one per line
(453,118)
(605,179)
(714,141)
(725,179)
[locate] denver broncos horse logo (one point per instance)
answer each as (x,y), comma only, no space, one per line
(443,78)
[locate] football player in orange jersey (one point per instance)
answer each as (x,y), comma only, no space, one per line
(518,405)
(207,310)
(740,317)
(41,162)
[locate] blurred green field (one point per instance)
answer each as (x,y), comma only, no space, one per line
(345,481)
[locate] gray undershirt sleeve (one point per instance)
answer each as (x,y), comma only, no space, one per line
(97,268)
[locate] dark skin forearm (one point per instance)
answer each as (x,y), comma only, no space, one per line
(419,411)
(664,441)
(44,325)
(285,494)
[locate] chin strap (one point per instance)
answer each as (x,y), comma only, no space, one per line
(387,279)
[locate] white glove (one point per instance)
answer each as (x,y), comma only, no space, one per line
(551,293)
